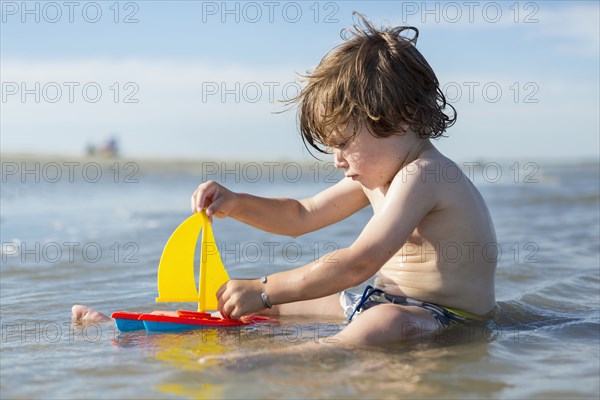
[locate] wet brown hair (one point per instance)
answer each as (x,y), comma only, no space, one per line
(376,77)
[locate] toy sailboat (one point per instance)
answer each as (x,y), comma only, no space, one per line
(176,283)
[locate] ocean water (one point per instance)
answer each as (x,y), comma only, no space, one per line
(92,232)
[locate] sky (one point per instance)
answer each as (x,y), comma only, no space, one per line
(204,79)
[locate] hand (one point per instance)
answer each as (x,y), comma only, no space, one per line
(217,200)
(237,298)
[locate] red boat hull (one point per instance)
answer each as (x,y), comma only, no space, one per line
(185,320)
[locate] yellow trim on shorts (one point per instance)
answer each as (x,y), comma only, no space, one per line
(463,313)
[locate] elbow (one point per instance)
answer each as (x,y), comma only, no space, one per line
(292,231)
(355,279)
(294,235)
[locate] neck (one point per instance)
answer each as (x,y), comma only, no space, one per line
(409,153)
(415,150)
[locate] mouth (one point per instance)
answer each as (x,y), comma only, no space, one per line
(352,176)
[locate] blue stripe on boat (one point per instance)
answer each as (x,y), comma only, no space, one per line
(128,325)
(156,326)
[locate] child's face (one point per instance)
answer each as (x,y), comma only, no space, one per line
(370,160)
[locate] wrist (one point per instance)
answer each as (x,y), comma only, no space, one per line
(265,299)
(236,199)
(263,295)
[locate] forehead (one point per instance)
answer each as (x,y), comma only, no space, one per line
(334,138)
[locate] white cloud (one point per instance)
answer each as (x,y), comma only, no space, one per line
(179,105)
(575,29)
(172,119)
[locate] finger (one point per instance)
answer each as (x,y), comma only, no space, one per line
(238,313)
(193,201)
(213,208)
(222,298)
(220,305)
(227,309)
(207,191)
(198,199)
(221,311)
(221,290)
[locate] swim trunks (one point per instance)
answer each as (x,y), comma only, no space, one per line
(353,304)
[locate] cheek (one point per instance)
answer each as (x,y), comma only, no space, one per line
(354,160)
(363,164)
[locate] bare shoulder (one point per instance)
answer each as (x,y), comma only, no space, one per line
(428,175)
(436,174)
(432,167)
(441,186)
(454,198)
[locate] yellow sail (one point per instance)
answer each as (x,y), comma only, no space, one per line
(176,267)
(212,271)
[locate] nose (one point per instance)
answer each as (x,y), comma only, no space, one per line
(338,160)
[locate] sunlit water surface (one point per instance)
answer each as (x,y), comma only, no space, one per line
(98,242)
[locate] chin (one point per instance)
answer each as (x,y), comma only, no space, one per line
(371,185)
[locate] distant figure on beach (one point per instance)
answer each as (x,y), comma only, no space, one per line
(375,104)
(110,148)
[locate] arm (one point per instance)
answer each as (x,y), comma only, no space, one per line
(282,216)
(408,200)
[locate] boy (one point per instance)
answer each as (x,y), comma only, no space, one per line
(375,102)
